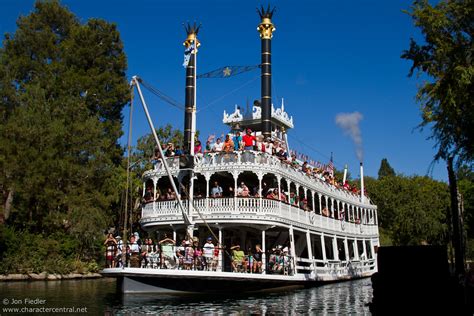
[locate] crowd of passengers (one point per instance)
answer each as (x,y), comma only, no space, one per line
(191,255)
(259,144)
(244,191)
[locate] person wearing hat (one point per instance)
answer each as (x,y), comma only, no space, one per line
(239,262)
(208,253)
(249,140)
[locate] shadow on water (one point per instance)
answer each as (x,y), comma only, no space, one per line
(100,298)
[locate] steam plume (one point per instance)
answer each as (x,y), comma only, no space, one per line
(349,123)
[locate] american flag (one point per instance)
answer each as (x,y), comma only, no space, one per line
(330,167)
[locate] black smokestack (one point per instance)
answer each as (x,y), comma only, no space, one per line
(266,28)
(190,102)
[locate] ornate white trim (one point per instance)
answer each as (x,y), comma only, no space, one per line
(277,113)
(233,117)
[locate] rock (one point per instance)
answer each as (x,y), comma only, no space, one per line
(35,276)
(16,277)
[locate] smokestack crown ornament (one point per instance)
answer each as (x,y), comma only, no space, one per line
(266,27)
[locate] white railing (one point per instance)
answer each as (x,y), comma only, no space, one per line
(246,159)
(249,208)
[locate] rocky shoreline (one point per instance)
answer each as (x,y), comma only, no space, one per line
(47,277)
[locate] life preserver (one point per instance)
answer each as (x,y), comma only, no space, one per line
(312,217)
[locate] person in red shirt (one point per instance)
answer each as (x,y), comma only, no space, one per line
(248,140)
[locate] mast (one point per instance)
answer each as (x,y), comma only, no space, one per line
(266,29)
(192,43)
(190,90)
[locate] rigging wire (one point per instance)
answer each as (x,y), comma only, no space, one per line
(314,149)
(162,95)
(229,93)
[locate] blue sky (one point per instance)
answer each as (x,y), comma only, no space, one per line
(328,58)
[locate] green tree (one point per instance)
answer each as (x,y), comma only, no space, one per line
(411,210)
(385,169)
(445,58)
(466,190)
(63,88)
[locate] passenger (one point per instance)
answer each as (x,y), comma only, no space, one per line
(269,146)
(197,148)
(259,144)
(168,257)
(257,256)
(237,139)
(271,194)
(178,151)
(264,189)
(181,253)
(208,253)
(249,140)
(118,255)
(228,144)
(243,190)
(134,253)
(110,250)
(279,261)
(215,258)
(218,146)
(238,259)
(282,155)
(198,262)
(170,195)
(292,198)
(282,196)
(170,150)
(216,190)
(325,211)
(189,256)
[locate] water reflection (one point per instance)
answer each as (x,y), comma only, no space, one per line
(99,297)
(339,298)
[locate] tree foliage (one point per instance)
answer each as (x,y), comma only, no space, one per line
(445,58)
(63,88)
(385,169)
(411,210)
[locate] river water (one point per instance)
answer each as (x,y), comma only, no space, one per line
(98,297)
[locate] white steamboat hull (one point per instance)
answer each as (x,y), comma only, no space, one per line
(139,280)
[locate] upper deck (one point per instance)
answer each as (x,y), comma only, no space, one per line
(329,209)
(261,164)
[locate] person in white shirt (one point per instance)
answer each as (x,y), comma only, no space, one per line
(208,253)
(218,146)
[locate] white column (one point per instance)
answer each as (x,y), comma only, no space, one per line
(260,178)
(155,182)
(236,177)
(293,249)
(174,236)
(364,249)
(144,189)
(320,206)
(313,201)
(356,249)
(219,262)
(346,249)
(264,256)
(279,193)
(331,211)
(207,176)
(334,248)
(323,247)
(310,249)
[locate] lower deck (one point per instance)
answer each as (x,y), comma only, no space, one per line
(166,281)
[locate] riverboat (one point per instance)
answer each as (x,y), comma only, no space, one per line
(330,235)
